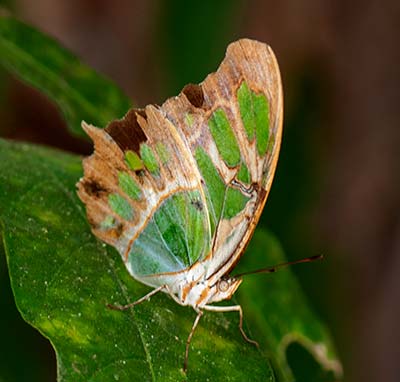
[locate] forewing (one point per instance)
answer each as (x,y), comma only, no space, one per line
(232,123)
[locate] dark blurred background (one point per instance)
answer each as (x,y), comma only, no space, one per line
(337,187)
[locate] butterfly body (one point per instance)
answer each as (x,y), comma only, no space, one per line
(178,189)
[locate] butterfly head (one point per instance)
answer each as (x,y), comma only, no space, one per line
(204,292)
(225,288)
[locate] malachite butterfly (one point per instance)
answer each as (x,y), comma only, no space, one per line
(178,189)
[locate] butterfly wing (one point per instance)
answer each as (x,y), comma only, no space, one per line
(183,185)
(144,196)
(233,125)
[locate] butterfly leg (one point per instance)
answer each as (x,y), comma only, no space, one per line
(189,339)
(234,308)
(144,298)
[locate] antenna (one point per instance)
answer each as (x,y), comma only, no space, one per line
(276,267)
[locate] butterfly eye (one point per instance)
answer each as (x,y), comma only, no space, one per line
(223,285)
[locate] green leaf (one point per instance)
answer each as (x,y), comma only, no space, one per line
(280,317)
(62,278)
(79,92)
(19,341)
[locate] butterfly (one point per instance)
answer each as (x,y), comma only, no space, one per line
(178,189)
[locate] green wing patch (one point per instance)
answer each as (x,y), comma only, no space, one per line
(254,110)
(133,161)
(149,158)
(176,236)
(120,206)
(224,138)
(128,185)
(223,200)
